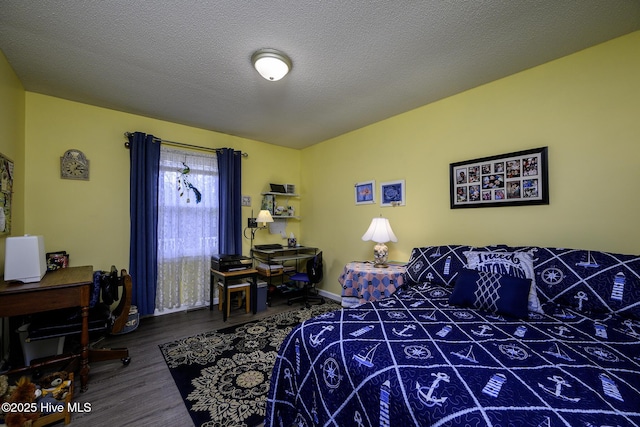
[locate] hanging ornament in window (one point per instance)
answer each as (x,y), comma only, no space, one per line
(185,185)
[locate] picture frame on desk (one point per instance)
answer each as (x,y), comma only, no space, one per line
(57,260)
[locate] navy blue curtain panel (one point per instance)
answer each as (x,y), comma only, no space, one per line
(145,165)
(230,218)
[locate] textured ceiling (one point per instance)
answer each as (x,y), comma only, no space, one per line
(355,62)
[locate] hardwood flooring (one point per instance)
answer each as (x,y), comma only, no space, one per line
(144,393)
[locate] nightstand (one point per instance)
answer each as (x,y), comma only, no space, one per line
(362,282)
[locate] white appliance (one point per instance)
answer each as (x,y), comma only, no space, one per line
(24,259)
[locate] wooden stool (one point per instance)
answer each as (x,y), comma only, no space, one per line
(236,287)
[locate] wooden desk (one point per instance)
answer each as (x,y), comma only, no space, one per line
(223,276)
(288,257)
(64,288)
(284,254)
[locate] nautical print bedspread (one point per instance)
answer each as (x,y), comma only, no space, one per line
(413,360)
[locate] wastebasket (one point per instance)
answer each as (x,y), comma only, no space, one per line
(38,348)
(259,298)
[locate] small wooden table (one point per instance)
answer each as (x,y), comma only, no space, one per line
(63,288)
(223,276)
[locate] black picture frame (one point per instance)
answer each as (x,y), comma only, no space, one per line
(512,179)
(57,260)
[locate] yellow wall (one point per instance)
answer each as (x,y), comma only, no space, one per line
(584,107)
(12,116)
(90,219)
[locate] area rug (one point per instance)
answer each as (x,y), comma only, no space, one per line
(223,376)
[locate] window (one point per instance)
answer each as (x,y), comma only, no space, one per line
(187,230)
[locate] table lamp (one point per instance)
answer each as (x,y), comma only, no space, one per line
(257,223)
(380,232)
(263,217)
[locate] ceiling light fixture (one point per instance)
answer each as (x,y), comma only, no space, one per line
(271,64)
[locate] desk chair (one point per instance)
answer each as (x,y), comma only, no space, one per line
(102,320)
(309,279)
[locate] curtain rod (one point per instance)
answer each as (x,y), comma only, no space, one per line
(181,144)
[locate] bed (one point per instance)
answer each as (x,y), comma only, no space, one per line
(431,354)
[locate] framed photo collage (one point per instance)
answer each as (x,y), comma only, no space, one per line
(519,178)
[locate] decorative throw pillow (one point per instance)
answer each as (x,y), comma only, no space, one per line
(439,264)
(517,264)
(492,292)
(589,281)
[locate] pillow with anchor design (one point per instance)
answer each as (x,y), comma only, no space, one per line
(440,264)
(492,292)
(589,281)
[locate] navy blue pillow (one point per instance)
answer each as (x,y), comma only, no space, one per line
(440,264)
(587,281)
(492,292)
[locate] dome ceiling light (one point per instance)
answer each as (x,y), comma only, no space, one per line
(271,64)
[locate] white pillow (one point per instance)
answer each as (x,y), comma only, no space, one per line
(517,264)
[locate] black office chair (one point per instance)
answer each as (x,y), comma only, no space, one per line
(309,279)
(102,320)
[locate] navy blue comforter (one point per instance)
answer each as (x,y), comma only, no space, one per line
(413,360)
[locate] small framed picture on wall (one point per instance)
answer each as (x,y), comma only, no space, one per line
(365,192)
(392,193)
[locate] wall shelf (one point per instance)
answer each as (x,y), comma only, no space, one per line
(275,196)
(280,194)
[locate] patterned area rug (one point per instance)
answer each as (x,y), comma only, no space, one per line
(223,376)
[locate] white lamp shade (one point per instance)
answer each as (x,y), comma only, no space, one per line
(271,64)
(264,216)
(380,231)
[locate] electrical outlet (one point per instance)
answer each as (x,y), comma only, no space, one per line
(252,223)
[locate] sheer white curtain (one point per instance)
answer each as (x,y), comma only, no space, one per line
(187,231)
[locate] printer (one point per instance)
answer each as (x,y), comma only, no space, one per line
(227,262)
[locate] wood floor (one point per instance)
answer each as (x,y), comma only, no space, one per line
(143,393)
